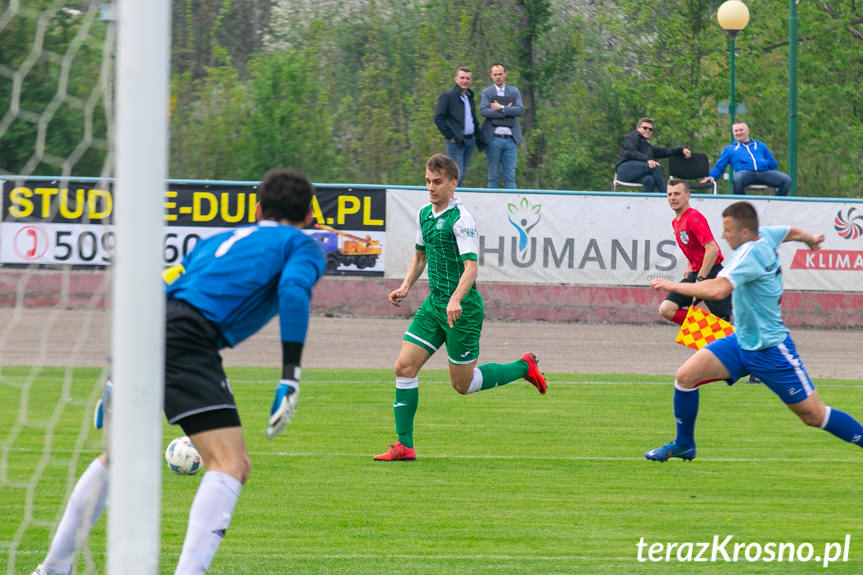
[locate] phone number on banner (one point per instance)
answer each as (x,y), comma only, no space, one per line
(83,244)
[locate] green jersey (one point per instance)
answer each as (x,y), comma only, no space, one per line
(448,238)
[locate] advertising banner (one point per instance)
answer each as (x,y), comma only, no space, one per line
(623,240)
(46,223)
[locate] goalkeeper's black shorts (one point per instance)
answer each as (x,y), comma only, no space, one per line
(198,396)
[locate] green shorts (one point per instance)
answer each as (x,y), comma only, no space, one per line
(429,329)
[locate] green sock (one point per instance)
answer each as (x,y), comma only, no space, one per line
(497,374)
(404,408)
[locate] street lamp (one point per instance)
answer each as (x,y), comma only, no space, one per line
(733,16)
(792,95)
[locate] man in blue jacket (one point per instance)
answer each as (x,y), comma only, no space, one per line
(455,117)
(752,163)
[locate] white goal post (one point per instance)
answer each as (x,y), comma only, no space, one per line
(142,89)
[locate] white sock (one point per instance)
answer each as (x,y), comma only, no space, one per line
(827,410)
(85,506)
(476,382)
(407,382)
(209,518)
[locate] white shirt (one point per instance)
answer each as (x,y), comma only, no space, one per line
(502,130)
(468,115)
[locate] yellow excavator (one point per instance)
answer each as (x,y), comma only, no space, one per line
(347,249)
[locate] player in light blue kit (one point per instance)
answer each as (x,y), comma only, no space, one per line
(761,345)
(228,288)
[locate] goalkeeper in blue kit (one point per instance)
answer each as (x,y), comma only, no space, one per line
(452,314)
(230,286)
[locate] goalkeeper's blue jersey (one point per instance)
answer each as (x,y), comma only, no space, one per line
(240,279)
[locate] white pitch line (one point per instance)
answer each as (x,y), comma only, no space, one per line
(551,382)
(561,458)
(329,454)
(288,556)
(414,556)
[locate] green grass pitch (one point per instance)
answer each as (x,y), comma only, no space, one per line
(506,481)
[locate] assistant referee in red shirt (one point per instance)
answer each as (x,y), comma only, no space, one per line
(694,237)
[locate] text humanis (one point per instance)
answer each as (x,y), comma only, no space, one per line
(609,254)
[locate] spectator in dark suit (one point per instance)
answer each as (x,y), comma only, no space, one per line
(636,164)
(455,117)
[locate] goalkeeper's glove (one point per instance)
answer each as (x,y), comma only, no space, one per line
(101,406)
(284,406)
(170,275)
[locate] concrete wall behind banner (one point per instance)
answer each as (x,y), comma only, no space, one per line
(559,303)
(367,297)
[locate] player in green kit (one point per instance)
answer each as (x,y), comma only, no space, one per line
(446,243)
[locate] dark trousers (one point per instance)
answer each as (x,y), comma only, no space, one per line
(461,153)
(773,178)
(638,172)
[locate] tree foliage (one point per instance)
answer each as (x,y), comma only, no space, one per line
(53,76)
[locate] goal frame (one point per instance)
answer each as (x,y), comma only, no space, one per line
(137,324)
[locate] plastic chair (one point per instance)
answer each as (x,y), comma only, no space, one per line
(761,189)
(693,169)
(615,182)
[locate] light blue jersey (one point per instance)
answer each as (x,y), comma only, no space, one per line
(761,346)
(755,272)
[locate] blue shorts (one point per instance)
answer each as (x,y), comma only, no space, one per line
(778,367)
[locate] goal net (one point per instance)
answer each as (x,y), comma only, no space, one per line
(80,220)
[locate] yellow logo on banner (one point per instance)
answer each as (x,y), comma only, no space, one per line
(700,328)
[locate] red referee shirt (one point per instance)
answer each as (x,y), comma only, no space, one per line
(692,232)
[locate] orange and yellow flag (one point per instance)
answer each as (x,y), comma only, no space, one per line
(700,328)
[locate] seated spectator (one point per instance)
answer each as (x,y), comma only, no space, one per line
(752,163)
(636,164)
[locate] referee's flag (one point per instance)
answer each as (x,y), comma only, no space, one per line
(700,328)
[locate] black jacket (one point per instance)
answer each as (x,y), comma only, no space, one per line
(636,147)
(449,115)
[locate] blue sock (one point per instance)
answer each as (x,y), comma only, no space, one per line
(843,426)
(685,412)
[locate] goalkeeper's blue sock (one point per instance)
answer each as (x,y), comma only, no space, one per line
(843,426)
(685,413)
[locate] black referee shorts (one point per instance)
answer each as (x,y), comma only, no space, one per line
(720,307)
(198,396)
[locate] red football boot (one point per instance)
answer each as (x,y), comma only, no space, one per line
(533,374)
(397,452)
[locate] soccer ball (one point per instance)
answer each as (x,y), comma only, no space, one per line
(182,457)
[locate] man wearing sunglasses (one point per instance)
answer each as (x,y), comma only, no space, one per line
(636,162)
